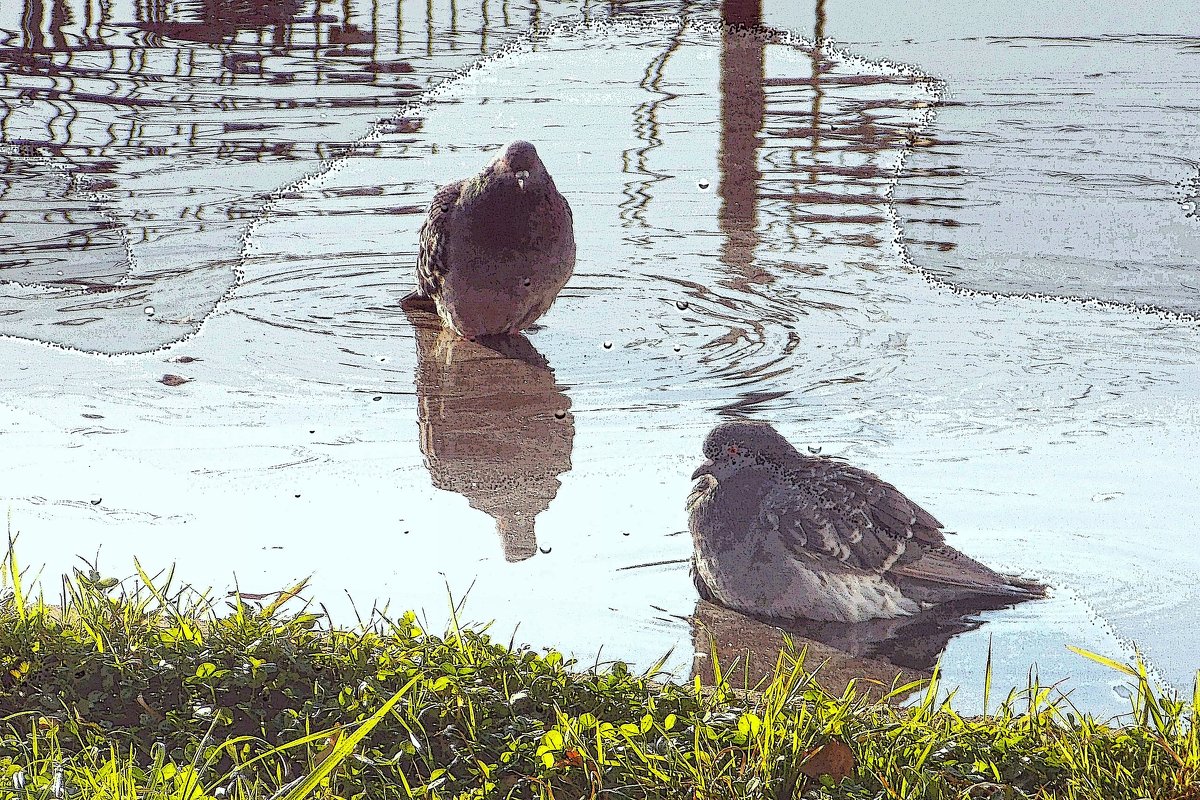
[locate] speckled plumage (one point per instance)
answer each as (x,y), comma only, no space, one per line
(496,249)
(781,534)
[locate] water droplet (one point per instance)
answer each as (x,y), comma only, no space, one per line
(60,272)
(544,549)
(297,497)
(702,183)
(624,533)
(526,282)
(814,449)
(377,397)
(677,348)
(313,431)
(149,311)
(608,345)
(682,305)
(560,414)
(96,500)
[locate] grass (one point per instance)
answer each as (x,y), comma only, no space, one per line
(139,689)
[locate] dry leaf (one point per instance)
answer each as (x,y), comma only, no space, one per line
(834,759)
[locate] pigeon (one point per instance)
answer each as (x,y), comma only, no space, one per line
(495,249)
(783,535)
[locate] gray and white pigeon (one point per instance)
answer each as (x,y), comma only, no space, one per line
(495,249)
(785,535)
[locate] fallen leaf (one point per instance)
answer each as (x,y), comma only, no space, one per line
(834,759)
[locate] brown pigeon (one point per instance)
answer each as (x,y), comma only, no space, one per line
(784,535)
(495,249)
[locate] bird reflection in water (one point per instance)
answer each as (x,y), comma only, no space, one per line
(875,653)
(494,426)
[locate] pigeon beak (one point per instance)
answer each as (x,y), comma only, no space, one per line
(522,175)
(703,469)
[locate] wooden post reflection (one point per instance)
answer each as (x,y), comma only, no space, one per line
(743,102)
(818,92)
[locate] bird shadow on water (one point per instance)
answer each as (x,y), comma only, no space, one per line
(494,426)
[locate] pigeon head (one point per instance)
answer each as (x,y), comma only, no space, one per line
(520,163)
(732,446)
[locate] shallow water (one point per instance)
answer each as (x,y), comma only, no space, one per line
(322,430)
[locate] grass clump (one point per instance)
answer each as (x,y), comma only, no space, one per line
(138,690)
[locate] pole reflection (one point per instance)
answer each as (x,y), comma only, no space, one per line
(743,108)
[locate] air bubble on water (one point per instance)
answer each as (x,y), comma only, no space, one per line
(544,550)
(377,397)
(702,183)
(677,348)
(560,414)
(624,533)
(608,345)
(96,500)
(60,272)
(814,449)
(682,305)
(149,311)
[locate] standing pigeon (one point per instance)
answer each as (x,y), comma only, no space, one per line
(495,249)
(784,535)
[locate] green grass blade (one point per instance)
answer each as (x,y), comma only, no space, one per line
(345,746)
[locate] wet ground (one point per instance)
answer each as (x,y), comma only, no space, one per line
(205,236)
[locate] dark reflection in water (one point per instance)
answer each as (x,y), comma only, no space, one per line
(878,649)
(743,106)
(216,21)
(495,427)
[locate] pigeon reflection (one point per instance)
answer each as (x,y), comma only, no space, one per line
(494,426)
(877,651)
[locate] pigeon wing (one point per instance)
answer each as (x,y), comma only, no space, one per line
(432,264)
(838,514)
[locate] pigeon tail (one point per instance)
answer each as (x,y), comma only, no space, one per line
(416,300)
(946,575)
